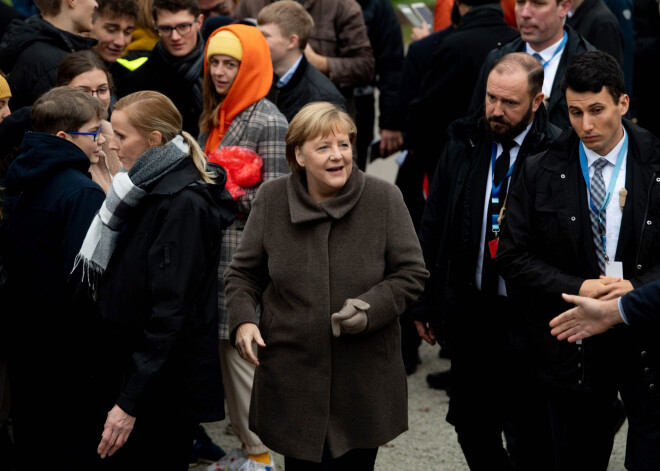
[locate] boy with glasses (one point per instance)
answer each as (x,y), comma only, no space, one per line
(53,348)
(174,66)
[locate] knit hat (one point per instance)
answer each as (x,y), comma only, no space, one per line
(225,42)
(5,92)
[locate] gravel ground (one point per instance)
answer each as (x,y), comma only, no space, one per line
(430,443)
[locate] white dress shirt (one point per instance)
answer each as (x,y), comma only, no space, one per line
(513,154)
(550,70)
(613,211)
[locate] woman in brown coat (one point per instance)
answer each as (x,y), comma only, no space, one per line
(331,256)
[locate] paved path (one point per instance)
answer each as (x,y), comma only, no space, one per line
(430,443)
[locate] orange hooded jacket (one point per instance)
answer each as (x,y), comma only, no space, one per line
(252,82)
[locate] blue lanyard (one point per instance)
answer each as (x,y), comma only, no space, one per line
(495,192)
(558,50)
(610,188)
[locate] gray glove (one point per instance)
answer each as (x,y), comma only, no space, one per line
(351,319)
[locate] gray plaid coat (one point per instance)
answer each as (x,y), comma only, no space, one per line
(259,127)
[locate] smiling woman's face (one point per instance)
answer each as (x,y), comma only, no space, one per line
(328,162)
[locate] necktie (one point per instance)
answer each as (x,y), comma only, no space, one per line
(489,274)
(538,57)
(597,197)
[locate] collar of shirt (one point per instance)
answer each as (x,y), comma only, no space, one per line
(546,53)
(611,157)
(288,74)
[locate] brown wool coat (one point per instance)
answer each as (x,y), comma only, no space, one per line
(303,260)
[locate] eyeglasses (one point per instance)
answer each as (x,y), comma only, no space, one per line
(95,133)
(101,92)
(182,28)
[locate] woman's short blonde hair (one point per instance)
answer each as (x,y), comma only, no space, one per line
(316,119)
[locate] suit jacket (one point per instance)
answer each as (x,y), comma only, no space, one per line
(557,109)
(546,249)
(598,25)
(446,89)
(642,305)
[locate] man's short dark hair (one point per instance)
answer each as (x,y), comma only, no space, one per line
(527,63)
(116,8)
(65,109)
(593,70)
(174,6)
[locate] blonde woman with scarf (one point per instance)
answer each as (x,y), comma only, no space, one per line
(152,251)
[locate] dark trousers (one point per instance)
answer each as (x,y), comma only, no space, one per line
(158,441)
(582,429)
(56,418)
(359,459)
(494,388)
(365,116)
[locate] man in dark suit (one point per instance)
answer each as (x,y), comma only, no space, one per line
(458,235)
(598,25)
(584,217)
(445,91)
(543,35)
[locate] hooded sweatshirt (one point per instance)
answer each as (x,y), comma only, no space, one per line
(53,203)
(252,82)
(31,51)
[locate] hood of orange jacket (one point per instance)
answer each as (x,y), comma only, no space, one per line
(252,82)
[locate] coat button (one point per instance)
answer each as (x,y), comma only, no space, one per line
(639,267)
(573,218)
(649,222)
(579,365)
(651,387)
(643,353)
(579,381)
(657,179)
(647,370)
(563,175)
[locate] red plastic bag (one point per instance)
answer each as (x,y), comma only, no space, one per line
(243,167)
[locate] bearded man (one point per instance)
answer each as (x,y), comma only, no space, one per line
(459,235)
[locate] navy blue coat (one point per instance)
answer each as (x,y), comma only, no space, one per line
(54,344)
(49,220)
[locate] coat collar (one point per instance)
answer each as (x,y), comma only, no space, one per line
(180,177)
(297,76)
(304,209)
